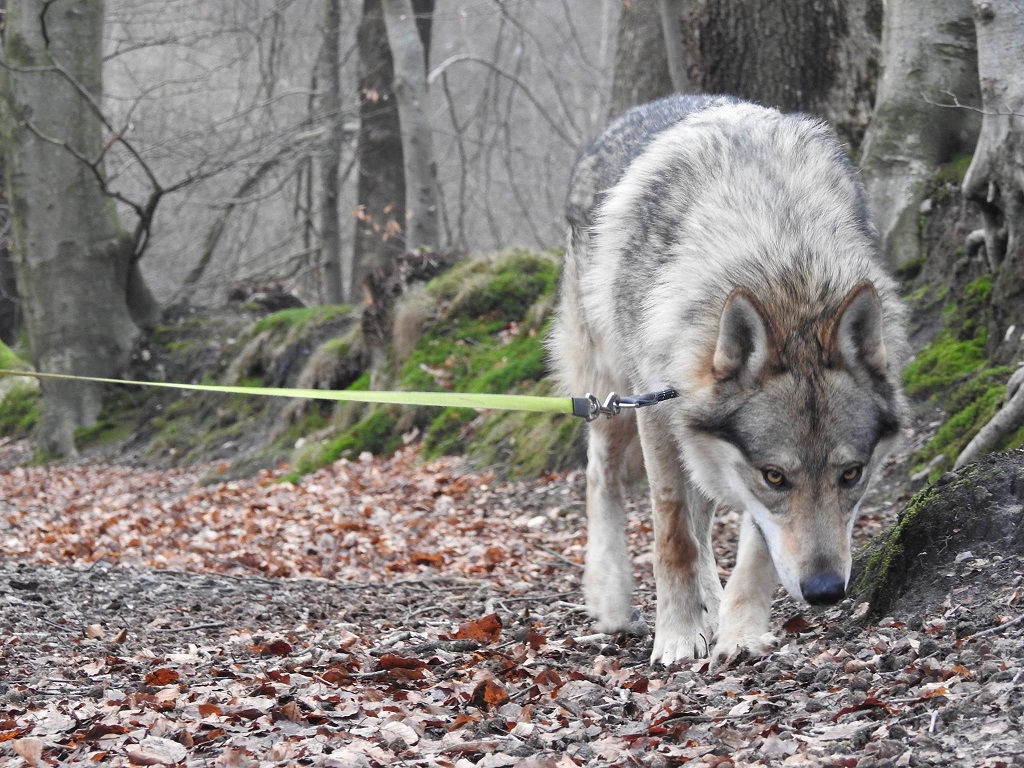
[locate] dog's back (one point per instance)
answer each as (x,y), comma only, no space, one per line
(681,201)
(602,163)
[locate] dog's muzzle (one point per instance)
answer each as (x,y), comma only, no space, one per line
(823,589)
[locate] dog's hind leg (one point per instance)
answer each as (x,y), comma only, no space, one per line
(688,596)
(608,577)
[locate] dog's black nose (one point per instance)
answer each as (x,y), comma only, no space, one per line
(823,589)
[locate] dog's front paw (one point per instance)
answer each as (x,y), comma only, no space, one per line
(730,650)
(681,644)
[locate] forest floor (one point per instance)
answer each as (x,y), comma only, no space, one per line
(393,612)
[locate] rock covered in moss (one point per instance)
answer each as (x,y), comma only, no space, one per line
(977,511)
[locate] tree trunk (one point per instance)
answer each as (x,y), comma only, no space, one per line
(673,25)
(995,178)
(380,211)
(10,306)
(335,289)
(381,185)
(410,86)
(72,257)
(929,58)
(642,71)
(819,57)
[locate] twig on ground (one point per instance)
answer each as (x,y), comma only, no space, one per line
(190,627)
(556,554)
(997,629)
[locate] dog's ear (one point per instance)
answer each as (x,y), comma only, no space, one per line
(857,335)
(742,349)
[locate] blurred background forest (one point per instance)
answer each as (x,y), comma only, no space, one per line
(164,159)
(227,103)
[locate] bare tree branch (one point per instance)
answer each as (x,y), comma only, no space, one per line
(572,141)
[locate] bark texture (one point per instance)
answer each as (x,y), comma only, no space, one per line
(929,59)
(820,58)
(995,178)
(381,184)
(642,70)
(335,289)
(72,257)
(10,306)
(410,87)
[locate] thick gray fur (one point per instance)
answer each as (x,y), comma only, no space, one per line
(724,250)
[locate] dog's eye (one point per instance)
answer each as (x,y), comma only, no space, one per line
(773,477)
(851,476)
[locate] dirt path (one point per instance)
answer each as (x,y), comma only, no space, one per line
(392,613)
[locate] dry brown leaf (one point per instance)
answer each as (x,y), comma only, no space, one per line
(484,630)
(488,694)
(161,676)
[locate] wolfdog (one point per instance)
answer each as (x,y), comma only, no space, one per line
(723,250)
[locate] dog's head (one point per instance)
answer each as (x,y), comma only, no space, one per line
(799,414)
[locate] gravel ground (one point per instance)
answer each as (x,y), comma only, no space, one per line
(118,664)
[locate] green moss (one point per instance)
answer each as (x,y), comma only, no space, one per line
(953,172)
(444,435)
(528,444)
(979,291)
(490,319)
(508,291)
(10,361)
(102,432)
(971,406)
(376,433)
(952,371)
(960,349)
(300,316)
(362,384)
(876,565)
(19,410)
(505,287)
(942,363)
(910,269)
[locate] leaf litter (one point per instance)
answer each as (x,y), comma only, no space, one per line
(394,612)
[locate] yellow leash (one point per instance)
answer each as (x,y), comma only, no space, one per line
(587,407)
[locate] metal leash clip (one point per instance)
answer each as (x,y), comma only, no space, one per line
(589,407)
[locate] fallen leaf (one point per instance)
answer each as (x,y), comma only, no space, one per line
(391,661)
(796,624)
(277,648)
(868,703)
(395,731)
(154,750)
(485,630)
(161,676)
(488,694)
(207,709)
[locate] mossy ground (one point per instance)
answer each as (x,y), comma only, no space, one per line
(953,372)
(875,578)
(19,410)
(300,317)
(489,320)
(19,397)
(483,332)
(976,507)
